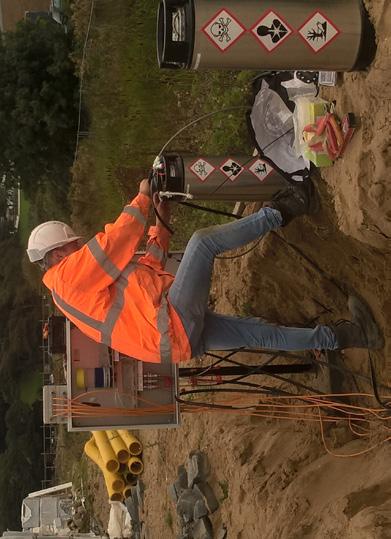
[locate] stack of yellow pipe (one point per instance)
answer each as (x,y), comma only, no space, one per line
(117,454)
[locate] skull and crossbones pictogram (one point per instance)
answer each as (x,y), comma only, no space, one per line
(220,30)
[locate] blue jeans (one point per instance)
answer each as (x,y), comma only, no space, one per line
(189,295)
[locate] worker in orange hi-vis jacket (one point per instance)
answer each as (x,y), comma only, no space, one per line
(144,312)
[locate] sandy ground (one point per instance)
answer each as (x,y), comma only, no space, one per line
(282,483)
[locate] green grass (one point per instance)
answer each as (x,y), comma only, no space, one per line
(30,387)
(134,108)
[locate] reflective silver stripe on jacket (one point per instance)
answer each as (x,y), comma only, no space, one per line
(135,212)
(163,327)
(157,253)
(79,315)
(102,259)
(118,304)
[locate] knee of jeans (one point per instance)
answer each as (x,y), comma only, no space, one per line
(199,236)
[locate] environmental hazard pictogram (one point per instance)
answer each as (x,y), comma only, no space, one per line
(202,169)
(260,169)
(271,30)
(232,169)
(318,31)
(223,30)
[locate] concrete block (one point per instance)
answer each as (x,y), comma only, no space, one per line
(198,468)
(200,510)
(132,507)
(172,492)
(207,494)
(186,503)
(182,477)
(203,529)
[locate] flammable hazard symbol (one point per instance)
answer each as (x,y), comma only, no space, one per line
(260,169)
(232,169)
(223,30)
(202,169)
(271,30)
(318,31)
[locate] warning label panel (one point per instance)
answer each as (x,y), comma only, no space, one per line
(318,32)
(271,30)
(260,169)
(202,169)
(232,169)
(223,30)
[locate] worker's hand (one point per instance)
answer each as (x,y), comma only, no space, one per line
(163,209)
(144,188)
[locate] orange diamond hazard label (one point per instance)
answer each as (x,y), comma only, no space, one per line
(260,169)
(232,169)
(271,30)
(318,31)
(202,169)
(223,30)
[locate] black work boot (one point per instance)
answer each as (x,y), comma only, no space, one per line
(362,331)
(295,201)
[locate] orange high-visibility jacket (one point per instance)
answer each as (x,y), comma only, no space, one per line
(118,302)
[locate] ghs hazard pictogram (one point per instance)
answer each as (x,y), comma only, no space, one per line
(318,31)
(202,169)
(271,30)
(232,169)
(223,30)
(260,169)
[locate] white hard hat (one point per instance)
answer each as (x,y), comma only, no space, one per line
(48,236)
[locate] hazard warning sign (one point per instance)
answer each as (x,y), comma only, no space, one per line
(232,169)
(202,169)
(271,30)
(223,30)
(260,169)
(318,31)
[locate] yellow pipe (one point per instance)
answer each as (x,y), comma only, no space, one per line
(114,482)
(127,492)
(105,450)
(135,465)
(118,445)
(116,497)
(132,443)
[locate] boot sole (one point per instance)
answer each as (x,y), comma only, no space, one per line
(362,315)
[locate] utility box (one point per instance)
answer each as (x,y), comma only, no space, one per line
(331,35)
(108,390)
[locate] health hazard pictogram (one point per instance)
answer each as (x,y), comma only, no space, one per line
(271,30)
(260,169)
(232,169)
(202,169)
(318,31)
(223,30)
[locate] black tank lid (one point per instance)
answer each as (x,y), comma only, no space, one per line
(175,33)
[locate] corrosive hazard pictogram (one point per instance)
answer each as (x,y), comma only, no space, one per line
(232,169)
(260,169)
(271,30)
(202,169)
(223,30)
(318,31)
